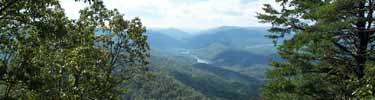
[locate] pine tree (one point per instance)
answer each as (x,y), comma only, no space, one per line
(331,52)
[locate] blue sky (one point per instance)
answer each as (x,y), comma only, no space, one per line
(182,14)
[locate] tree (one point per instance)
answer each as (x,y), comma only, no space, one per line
(331,52)
(45,55)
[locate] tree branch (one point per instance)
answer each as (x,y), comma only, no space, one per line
(12,2)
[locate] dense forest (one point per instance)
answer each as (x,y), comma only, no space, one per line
(311,50)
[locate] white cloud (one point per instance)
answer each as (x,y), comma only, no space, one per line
(72,8)
(183,13)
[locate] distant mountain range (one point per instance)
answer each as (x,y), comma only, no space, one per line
(161,39)
(224,63)
(227,35)
(230,36)
(173,32)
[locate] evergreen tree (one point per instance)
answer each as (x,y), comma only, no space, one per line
(45,55)
(331,52)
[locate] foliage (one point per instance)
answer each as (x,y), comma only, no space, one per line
(163,87)
(331,54)
(44,55)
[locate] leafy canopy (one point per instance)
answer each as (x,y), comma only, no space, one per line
(45,55)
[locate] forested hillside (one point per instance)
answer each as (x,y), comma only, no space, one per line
(163,87)
(214,69)
(187,49)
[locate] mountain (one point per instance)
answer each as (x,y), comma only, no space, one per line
(174,33)
(224,63)
(230,36)
(157,39)
(214,82)
(238,57)
(163,87)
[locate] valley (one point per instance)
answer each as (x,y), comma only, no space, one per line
(224,63)
(187,49)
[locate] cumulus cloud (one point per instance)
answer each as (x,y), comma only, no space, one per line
(193,14)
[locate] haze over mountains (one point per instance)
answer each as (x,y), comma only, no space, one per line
(224,63)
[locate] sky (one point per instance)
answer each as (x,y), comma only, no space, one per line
(182,14)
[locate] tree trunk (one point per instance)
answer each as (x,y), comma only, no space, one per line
(363,41)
